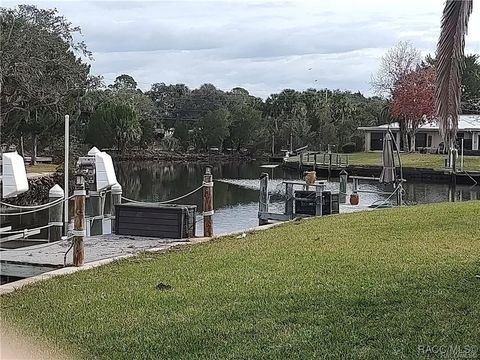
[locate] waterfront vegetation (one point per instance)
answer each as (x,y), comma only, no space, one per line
(371,285)
(415,160)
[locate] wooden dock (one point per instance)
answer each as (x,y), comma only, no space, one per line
(37,259)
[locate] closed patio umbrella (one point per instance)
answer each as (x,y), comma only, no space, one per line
(388,172)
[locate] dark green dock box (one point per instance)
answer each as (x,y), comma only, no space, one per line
(155,220)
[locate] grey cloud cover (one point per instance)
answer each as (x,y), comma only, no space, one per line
(264,46)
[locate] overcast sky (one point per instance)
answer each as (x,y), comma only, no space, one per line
(263,46)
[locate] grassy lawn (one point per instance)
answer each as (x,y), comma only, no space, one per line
(412,160)
(372,285)
(431,161)
(41,168)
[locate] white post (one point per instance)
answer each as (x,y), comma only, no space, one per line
(116,199)
(65,170)
(461,160)
(55,214)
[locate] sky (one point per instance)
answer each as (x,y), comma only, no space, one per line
(263,46)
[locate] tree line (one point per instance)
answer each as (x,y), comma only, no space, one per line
(45,76)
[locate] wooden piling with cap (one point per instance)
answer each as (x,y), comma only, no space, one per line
(208,203)
(79,222)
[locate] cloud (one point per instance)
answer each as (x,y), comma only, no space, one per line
(262,45)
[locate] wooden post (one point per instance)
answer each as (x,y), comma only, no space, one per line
(55,214)
(399,192)
(343,187)
(329,165)
(289,199)
(318,200)
(300,161)
(315,162)
(79,221)
(263,201)
(116,199)
(208,203)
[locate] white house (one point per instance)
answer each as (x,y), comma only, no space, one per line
(428,136)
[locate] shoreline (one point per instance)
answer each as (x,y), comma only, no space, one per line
(39,185)
(416,174)
(160,155)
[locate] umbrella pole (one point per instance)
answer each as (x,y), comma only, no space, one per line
(399,187)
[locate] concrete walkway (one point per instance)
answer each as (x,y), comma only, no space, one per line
(99,250)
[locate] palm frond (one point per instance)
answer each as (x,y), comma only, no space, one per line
(450,63)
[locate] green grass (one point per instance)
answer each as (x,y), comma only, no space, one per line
(41,168)
(370,285)
(434,161)
(429,161)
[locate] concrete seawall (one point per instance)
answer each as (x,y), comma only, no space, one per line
(435,176)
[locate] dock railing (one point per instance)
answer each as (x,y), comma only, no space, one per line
(263,211)
(323,158)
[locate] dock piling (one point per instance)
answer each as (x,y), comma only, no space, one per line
(97,210)
(329,164)
(343,187)
(263,201)
(55,214)
(289,199)
(208,203)
(318,200)
(79,222)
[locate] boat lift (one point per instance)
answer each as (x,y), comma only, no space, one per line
(292,197)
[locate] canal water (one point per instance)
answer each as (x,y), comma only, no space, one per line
(236,189)
(236,193)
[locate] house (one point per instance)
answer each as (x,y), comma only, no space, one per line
(428,136)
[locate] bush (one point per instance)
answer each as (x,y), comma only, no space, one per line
(349,147)
(471,152)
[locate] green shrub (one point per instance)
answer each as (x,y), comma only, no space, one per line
(349,147)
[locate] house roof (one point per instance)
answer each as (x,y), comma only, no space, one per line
(465,123)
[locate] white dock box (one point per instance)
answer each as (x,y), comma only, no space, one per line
(104,170)
(14,175)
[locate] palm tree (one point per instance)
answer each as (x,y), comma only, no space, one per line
(450,64)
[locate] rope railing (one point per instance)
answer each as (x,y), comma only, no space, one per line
(25,231)
(35,207)
(30,207)
(167,201)
(39,246)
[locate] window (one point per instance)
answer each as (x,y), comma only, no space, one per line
(376,141)
(420,140)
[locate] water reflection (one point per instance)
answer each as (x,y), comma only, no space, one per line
(237,185)
(236,191)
